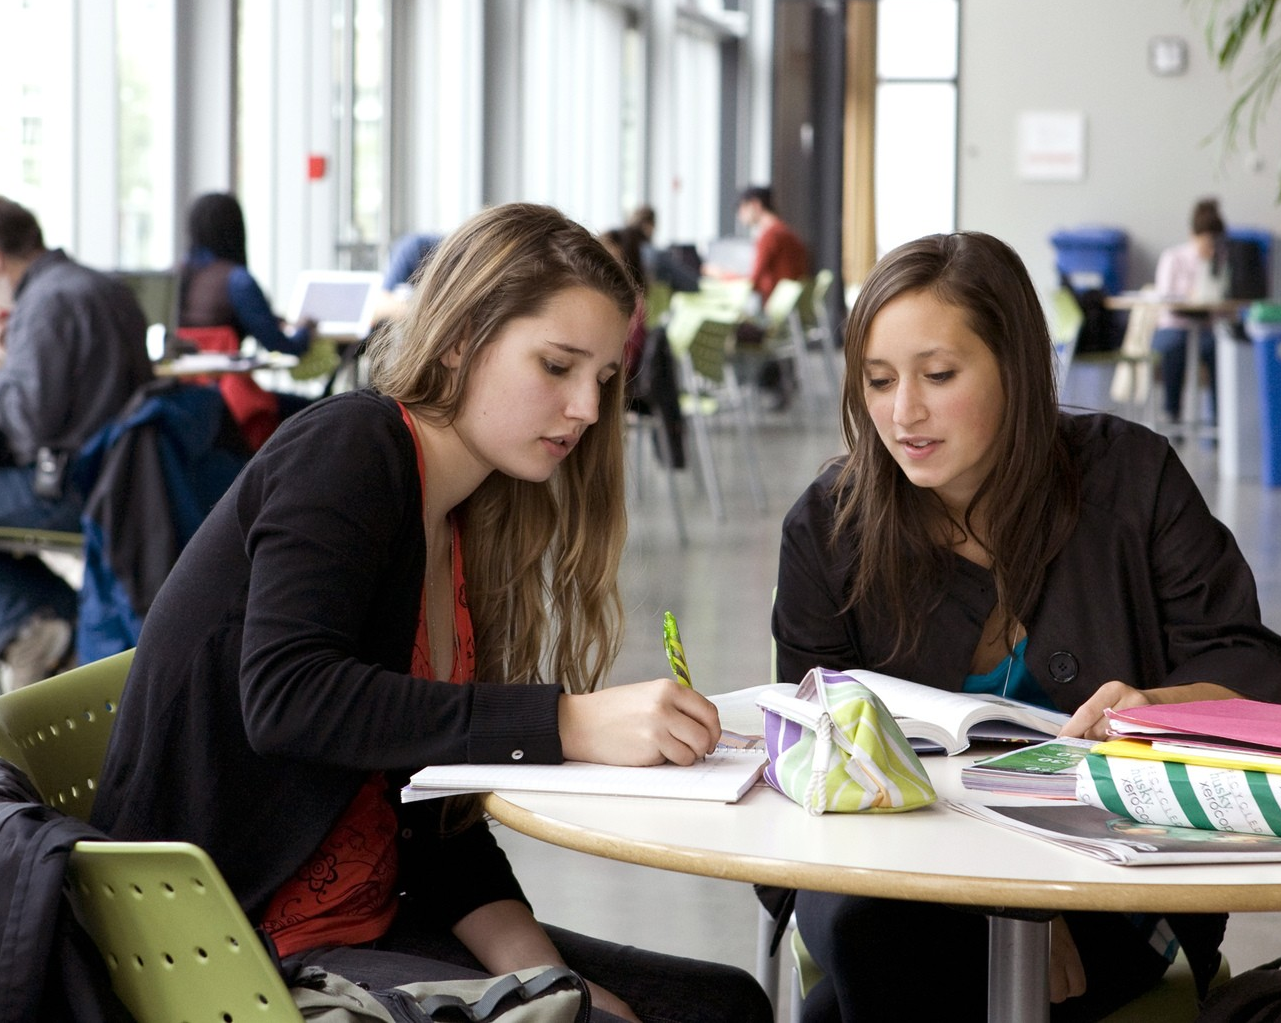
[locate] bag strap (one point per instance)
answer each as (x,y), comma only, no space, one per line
(495,1001)
(816,786)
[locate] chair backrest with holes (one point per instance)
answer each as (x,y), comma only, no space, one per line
(708,349)
(57,730)
(176,942)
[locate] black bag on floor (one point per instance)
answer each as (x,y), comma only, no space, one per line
(1250,997)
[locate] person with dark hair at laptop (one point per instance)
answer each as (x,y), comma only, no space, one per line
(666,266)
(215,287)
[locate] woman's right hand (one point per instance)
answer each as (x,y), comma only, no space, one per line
(639,724)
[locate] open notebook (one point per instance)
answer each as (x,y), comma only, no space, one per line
(721,777)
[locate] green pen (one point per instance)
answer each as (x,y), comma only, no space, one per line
(675,650)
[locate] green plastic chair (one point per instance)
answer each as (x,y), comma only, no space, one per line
(57,730)
(176,943)
(701,342)
(785,338)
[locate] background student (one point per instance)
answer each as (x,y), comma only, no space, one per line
(74,351)
(975,538)
(384,587)
(215,287)
(1193,271)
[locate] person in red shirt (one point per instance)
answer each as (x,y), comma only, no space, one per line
(780,254)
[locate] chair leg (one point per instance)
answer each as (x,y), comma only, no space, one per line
(702,440)
(795,998)
(742,419)
(659,430)
(766,964)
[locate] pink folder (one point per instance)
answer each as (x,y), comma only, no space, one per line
(1231,721)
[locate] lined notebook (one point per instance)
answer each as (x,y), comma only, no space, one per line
(721,777)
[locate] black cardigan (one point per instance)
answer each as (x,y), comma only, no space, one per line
(272,674)
(1150,589)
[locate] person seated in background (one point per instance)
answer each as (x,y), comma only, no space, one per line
(388,584)
(778,254)
(1193,271)
(216,289)
(75,351)
(661,266)
(650,371)
(403,266)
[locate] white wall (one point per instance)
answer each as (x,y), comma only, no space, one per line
(1147,160)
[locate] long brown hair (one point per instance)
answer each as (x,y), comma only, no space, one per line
(506,262)
(1030,498)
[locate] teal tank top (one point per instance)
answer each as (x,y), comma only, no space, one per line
(1010,678)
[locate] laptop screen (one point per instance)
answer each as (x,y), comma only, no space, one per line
(340,301)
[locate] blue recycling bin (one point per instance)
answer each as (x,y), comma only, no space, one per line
(1263,325)
(1092,257)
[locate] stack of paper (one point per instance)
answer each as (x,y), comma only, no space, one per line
(1044,769)
(1212,764)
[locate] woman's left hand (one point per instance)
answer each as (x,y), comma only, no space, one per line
(1089,721)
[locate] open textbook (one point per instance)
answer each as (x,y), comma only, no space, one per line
(722,776)
(1116,839)
(934,719)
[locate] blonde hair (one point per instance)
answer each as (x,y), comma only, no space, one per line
(542,564)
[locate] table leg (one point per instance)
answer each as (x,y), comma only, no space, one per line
(1018,980)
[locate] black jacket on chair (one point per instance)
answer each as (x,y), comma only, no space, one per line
(50,971)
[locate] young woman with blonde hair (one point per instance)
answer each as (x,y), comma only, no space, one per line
(384,587)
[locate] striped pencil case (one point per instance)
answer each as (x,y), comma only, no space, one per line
(833,747)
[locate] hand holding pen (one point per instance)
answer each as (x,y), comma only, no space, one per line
(643,723)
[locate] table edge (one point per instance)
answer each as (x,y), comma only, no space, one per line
(955,889)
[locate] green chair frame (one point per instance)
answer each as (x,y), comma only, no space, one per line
(176,943)
(57,730)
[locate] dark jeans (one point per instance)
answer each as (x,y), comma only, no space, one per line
(27,584)
(879,955)
(659,988)
(1172,343)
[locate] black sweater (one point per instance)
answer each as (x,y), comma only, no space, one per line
(272,674)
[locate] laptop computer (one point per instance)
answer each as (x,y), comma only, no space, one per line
(342,302)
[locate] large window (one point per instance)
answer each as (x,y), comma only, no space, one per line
(145,137)
(915,119)
(362,150)
(37,158)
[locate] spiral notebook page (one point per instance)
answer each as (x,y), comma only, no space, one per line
(722,777)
